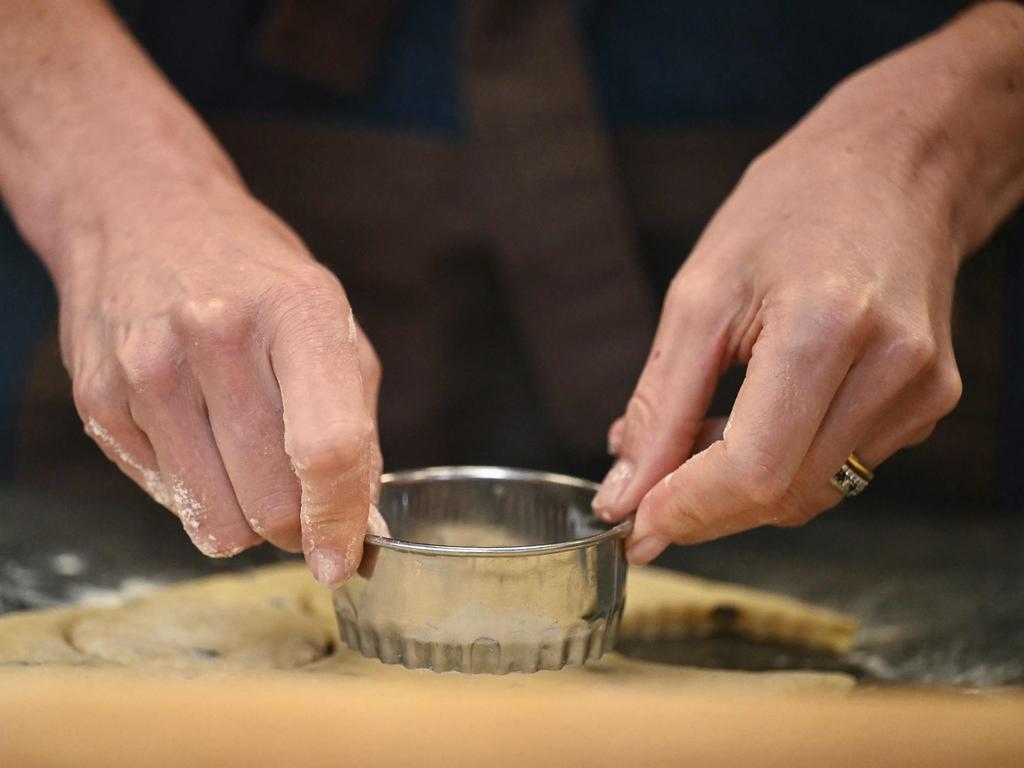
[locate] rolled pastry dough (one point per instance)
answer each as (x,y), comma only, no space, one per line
(277,618)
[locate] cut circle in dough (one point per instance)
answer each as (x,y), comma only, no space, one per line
(226,626)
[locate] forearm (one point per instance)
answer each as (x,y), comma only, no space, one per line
(945,117)
(85,118)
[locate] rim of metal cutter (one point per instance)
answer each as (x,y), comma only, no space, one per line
(619,531)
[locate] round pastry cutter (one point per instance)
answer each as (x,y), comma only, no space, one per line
(487,570)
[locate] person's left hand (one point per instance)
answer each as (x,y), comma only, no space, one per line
(829,272)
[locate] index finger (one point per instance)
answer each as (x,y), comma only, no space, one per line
(796,367)
(328,430)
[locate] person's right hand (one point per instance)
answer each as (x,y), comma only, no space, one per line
(221,368)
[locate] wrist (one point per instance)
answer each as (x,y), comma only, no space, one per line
(88,125)
(942,119)
(100,188)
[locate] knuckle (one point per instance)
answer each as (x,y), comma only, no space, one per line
(335,449)
(150,365)
(758,482)
(641,409)
(680,516)
(215,321)
(914,352)
(845,312)
(370,367)
(308,288)
(155,374)
(326,522)
(277,504)
(677,295)
(940,395)
(755,166)
(788,503)
(275,512)
(312,277)
(697,296)
(321,520)
(615,435)
(98,398)
(309,306)
(949,389)
(828,318)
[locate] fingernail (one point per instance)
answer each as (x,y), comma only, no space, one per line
(614,484)
(645,550)
(329,566)
(604,514)
(615,443)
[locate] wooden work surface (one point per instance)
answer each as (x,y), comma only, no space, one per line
(92,719)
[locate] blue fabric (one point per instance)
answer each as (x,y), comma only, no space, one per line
(414,88)
(653,61)
(729,61)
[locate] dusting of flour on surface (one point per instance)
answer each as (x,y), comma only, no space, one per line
(68,564)
(128,589)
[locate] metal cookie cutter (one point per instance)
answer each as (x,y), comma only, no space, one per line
(490,570)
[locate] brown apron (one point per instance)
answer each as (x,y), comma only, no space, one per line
(431,237)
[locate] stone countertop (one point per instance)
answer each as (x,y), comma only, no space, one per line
(940,596)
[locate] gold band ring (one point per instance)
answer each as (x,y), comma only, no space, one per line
(851,478)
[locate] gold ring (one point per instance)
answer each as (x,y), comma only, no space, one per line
(851,478)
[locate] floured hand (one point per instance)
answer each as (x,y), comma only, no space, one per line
(221,368)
